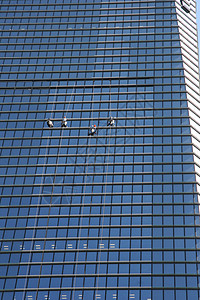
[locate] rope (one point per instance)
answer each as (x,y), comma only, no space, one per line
(53,185)
(70,99)
(103,213)
(50,204)
(104,201)
(92,102)
(38,203)
(110,97)
(83,202)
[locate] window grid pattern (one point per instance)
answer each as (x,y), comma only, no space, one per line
(109,216)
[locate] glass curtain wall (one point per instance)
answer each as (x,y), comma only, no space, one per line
(98,187)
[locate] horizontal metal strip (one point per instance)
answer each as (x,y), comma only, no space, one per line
(64,64)
(98,23)
(171,48)
(98,9)
(101,145)
(100,227)
(102,194)
(97,136)
(98,43)
(38,29)
(82,289)
(114,128)
(92,35)
(102,184)
(97,164)
(108,215)
(107,275)
(86,92)
(139,14)
(101,127)
(103,204)
(90,80)
(86,87)
(107,250)
(87,32)
(151,238)
(58,4)
(89,173)
(133,110)
(103,70)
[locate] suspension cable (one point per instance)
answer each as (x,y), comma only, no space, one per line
(39,199)
(72,94)
(83,202)
(104,201)
(52,192)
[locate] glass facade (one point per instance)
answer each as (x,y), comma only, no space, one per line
(99,150)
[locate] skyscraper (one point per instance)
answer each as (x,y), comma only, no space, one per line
(99,150)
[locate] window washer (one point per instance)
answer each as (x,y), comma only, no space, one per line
(49,123)
(64,122)
(92,130)
(111,121)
